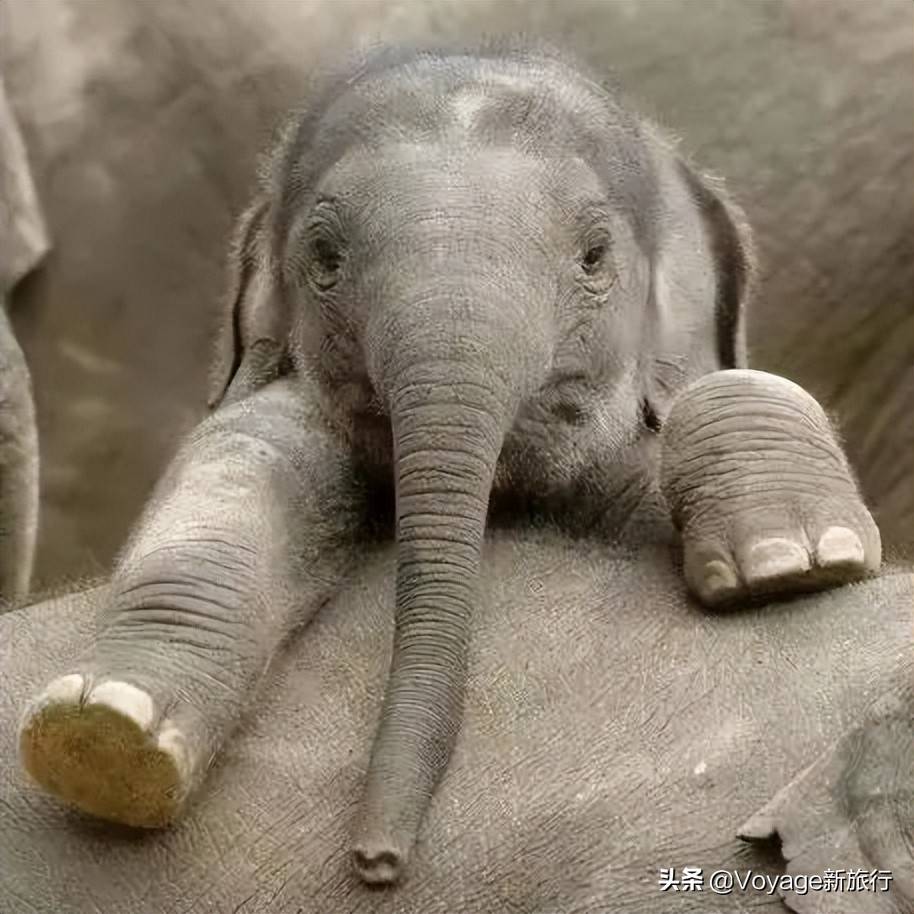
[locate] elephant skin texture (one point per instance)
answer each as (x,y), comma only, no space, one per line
(23,243)
(613,728)
(237,549)
(491,283)
(171,719)
(143,122)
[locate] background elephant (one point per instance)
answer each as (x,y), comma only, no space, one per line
(613,729)
(143,122)
(23,242)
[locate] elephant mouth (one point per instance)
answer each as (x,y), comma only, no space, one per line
(357,398)
(373,417)
(369,426)
(366,424)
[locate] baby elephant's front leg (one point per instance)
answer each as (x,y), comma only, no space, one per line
(247,533)
(761,491)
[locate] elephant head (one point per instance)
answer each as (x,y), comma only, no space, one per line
(450,246)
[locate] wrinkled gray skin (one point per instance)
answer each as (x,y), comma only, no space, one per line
(493,286)
(23,242)
(18,469)
(612,727)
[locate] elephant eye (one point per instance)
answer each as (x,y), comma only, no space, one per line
(327,255)
(593,258)
(326,262)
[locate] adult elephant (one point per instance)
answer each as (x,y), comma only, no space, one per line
(614,730)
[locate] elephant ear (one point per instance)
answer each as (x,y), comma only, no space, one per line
(703,267)
(251,341)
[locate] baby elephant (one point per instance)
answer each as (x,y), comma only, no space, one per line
(472,284)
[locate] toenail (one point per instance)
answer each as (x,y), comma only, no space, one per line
(172,742)
(128,699)
(776,557)
(65,688)
(718,578)
(839,546)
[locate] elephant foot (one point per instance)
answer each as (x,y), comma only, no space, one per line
(775,559)
(106,748)
(761,491)
(236,548)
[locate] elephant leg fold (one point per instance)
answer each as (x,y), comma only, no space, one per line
(248,532)
(18,469)
(761,491)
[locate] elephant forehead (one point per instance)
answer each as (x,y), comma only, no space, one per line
(537,107)
(501,100)
(492,183)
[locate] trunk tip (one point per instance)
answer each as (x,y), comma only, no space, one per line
(378,862)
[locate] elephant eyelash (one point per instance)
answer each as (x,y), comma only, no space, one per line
(596,271)
(596,248)
(594,257)
(324,251)
(325,263)
(328,255)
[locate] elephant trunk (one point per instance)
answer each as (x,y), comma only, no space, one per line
(449,416)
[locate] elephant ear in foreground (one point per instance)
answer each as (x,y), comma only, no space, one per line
(702,277)
(852,807)
(251,341)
